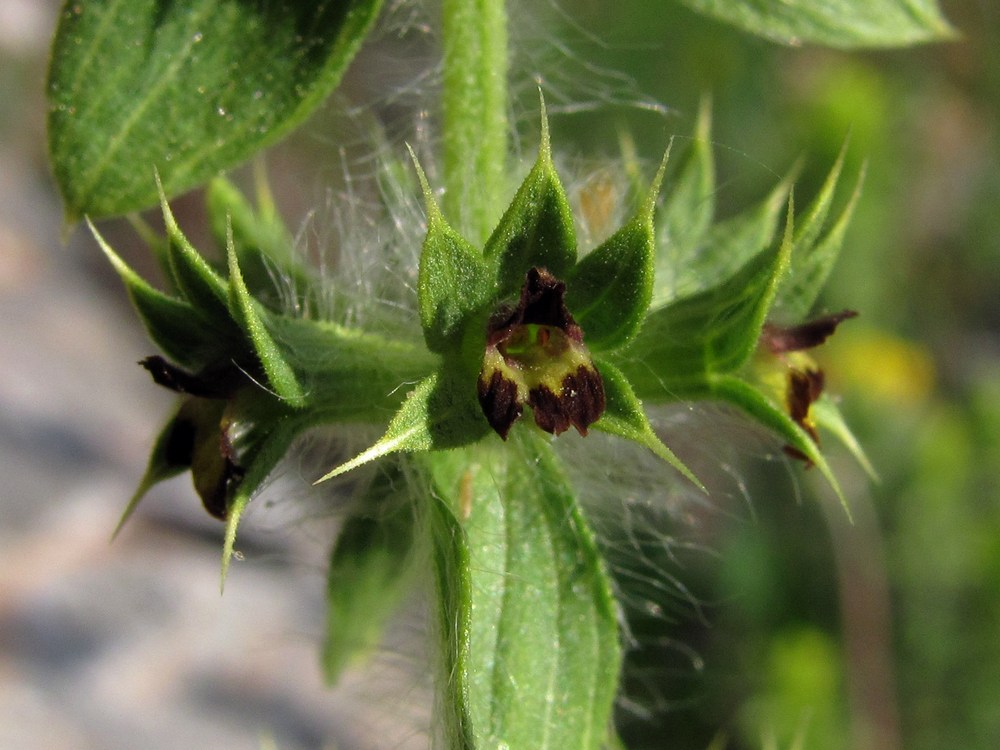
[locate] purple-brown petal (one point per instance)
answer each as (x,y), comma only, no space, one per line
(498,399)
(580,402)
(585,390)
(782,339)
(220,384)
(550,410)
(178,448)
(804,389)
(542,302)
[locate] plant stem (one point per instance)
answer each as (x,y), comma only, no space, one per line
(350,375)
(474,113)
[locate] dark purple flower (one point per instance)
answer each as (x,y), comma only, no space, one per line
(535,355)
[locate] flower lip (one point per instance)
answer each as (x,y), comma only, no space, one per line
(535,354)
(782,339)
(542,303)
(579,403)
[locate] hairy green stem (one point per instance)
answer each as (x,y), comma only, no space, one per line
(351,376)
(474,113)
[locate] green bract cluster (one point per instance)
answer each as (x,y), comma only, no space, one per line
(688,335)
(252,377)
(461,289)
(671,307)
(644,317)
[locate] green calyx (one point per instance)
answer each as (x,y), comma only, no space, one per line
(524,356)
(251,377)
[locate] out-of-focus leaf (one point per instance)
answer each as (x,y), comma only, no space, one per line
(810,225)
(187,89)
(728,245)
(370,572)
(265,249)
(688,210)
(530,625)
(835,23)
(812,261)
(828,417)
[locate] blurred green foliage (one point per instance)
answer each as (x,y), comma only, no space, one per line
(920,376)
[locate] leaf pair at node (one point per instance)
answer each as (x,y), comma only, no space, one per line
(723,292)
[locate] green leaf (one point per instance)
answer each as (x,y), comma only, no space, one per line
(173,325)
(609,290)
(165,461)
(755,404)
(407,432)
(624,416)
(828,417)
(712,332)
(349,375)
(728,245)
(453,573)
(280,375)
(158,245)
(260,457)
(453,280)
(273,273)
(188,89)
(370,572)
(195,279)
(836,23)
(688,211)
(536,229)
(438,413)
(812,262)
(529,621)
